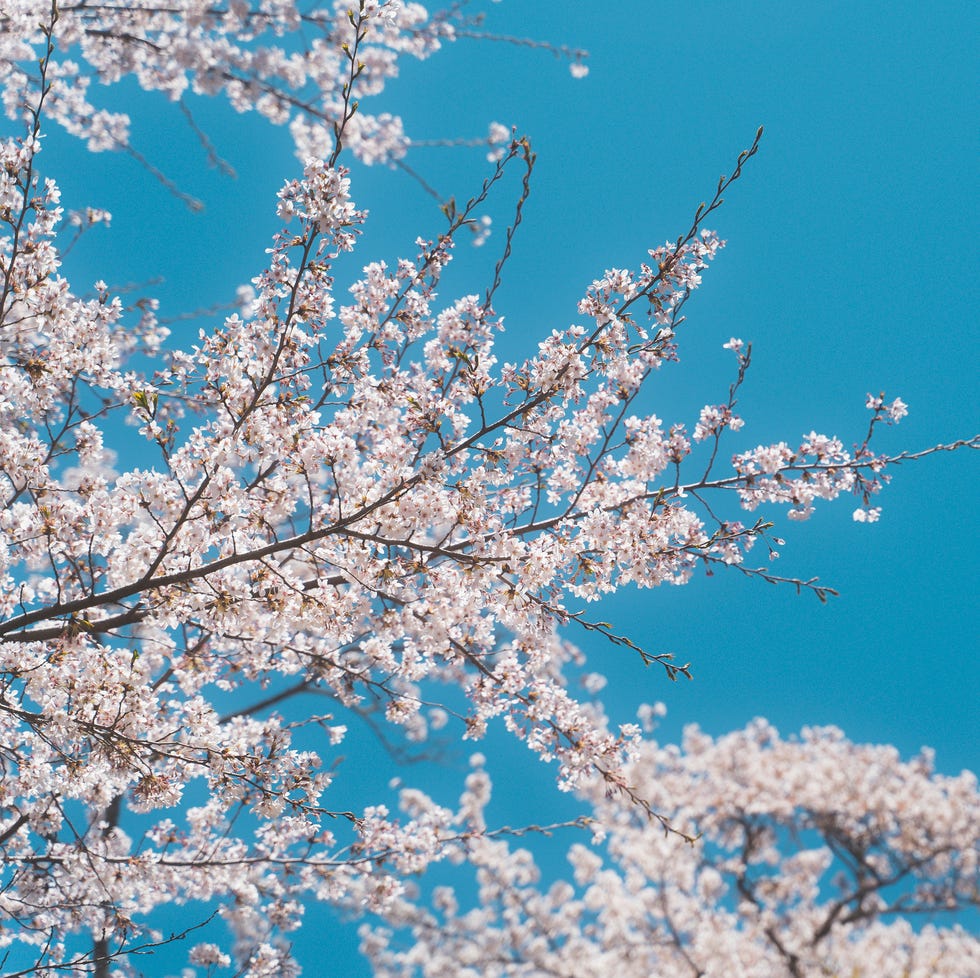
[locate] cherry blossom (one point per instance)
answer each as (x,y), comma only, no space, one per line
(809,857)
(342,492)
(277,59)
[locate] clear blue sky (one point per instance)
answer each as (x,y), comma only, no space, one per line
(850,266)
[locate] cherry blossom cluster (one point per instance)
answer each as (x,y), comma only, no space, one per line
(810,857)
(291,64)
(820,468)
(339,490)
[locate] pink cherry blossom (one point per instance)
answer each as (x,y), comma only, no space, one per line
(806,858)
(342,495)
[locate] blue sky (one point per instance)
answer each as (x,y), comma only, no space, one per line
(850,267)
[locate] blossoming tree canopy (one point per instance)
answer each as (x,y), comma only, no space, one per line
(293,66)
(345,492)
(813,856)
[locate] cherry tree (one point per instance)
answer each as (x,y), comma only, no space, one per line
(342,491)
(811,857)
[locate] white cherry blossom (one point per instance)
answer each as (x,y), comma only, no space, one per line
(342,493)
